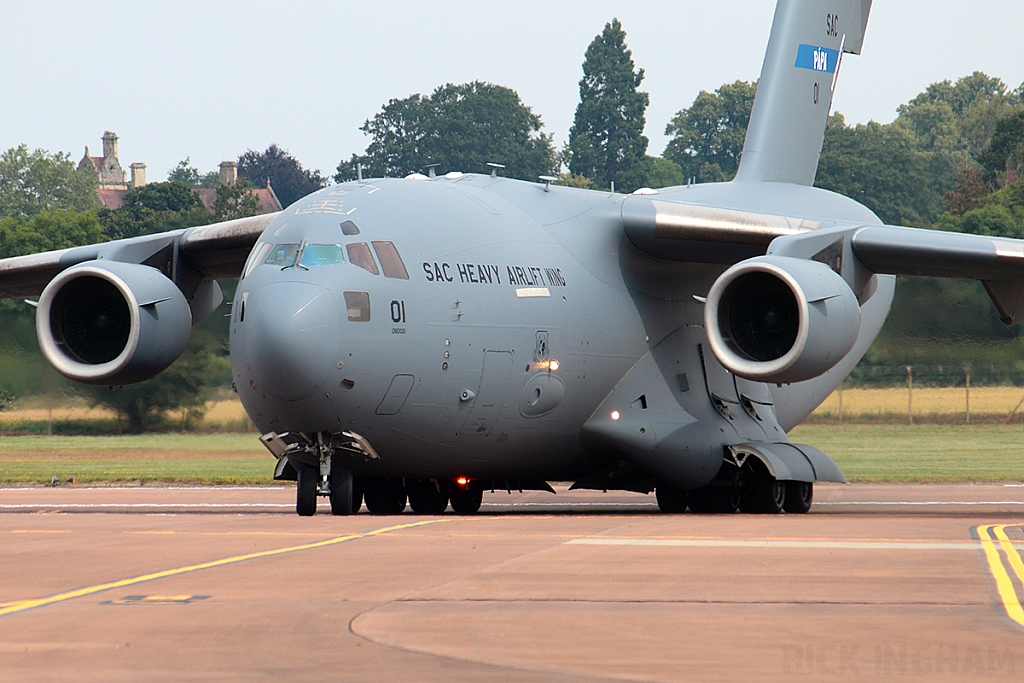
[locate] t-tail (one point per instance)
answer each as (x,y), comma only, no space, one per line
(798,79)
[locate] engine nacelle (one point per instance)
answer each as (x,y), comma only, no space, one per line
(779,319)
(106,322)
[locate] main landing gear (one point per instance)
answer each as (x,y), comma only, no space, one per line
(754,491)
(348,492)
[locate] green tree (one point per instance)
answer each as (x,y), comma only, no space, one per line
(48,230)
(31,182)
(458,127)
(184,385)
(189,176)
(578,181)
(707,137)
(977,101)
(664,173)
(283,171)
(235,201)
(999,214)
(153,208)
(1004,156)
(881,167)
(606,141)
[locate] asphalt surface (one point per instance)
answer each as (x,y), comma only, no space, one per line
(178,584)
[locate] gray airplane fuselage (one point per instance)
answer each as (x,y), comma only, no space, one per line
(524,308)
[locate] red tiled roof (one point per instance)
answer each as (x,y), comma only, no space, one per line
(112,199)
(268,202)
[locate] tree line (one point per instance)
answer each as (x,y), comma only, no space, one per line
(953,159)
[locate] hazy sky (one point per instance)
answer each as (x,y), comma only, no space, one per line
(211,79)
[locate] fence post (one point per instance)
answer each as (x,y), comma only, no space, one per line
(910,395)
(967,394)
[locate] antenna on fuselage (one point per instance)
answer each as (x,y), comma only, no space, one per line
(432,170)
(359,172)
(548,179)
(495,168)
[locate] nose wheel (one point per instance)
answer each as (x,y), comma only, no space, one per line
(346,496)
(306,491)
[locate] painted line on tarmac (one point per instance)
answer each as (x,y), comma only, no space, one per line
(760,543)
(1004,584)
(919,502)
(92,506)
(23,605)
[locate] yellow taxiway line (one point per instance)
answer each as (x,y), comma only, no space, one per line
(23,605)
(1004,584)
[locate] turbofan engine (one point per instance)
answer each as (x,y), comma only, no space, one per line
(779,319)
(106,322)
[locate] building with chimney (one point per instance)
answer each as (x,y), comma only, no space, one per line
(112,183)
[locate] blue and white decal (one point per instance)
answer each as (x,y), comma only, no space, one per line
(815,58)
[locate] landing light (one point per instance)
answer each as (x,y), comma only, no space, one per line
(551,365)
(615,415)
(462,481)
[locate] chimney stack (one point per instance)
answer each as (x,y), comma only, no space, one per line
(228,172)
(138,175)
(109,145)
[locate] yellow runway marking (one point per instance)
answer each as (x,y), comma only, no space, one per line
(22,605)
(1004,584)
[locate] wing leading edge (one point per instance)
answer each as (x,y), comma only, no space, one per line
(187,256)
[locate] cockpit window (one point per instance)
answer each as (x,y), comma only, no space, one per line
(321,255)
(359,254)
(390,260)
(259,253)
(283,255)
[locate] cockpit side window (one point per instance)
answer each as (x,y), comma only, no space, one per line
(322,255)
(259,253)
(359,254)
(282,255)
(390,260)
(358,305)
(349,228)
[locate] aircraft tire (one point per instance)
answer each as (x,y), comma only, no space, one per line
(425,499)
(343,493)
(671,500)
(722,500)
(799,496)
(305,492)
(385,499)
(764,495)
(466,502)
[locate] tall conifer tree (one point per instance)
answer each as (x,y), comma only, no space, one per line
(606,142)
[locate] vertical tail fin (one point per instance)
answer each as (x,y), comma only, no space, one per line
(794,95)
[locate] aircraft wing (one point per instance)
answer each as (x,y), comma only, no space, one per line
(681,232)
(190,255)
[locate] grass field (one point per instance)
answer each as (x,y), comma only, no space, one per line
(920,452)
(866,452)
(166,458)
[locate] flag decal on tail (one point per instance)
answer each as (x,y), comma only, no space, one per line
(817,58)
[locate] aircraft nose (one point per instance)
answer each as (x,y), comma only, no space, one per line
(293,338)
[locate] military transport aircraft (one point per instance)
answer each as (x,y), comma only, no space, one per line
(428,338)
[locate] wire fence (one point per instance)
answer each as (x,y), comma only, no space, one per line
(927,393)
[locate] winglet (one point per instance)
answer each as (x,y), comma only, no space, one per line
(794,95)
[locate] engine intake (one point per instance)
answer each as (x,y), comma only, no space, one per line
(112,323)
(780,319)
